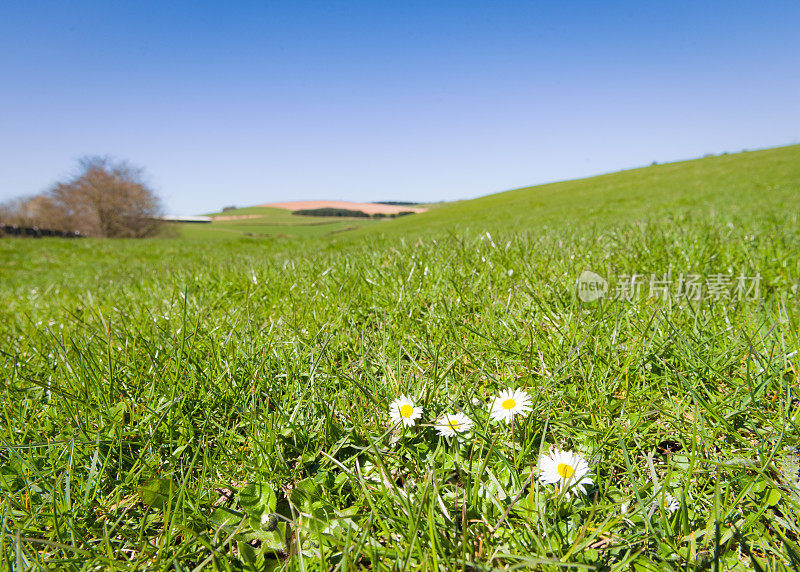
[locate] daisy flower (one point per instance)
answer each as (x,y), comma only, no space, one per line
(509,403)
(565,469)
(402,410)
(666,501)
(449,425)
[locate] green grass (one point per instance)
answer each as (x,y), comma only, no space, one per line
(725,185)
(271,223)
(163,398)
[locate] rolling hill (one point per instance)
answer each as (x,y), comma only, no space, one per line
(731,184)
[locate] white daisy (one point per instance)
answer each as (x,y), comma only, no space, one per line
(569,471)
(449,425)
(665,501)
(509,403)
(403,410)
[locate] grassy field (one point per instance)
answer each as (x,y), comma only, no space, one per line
(271,223)
(195,404)
(721,186)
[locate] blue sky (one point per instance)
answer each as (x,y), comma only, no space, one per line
(244,103)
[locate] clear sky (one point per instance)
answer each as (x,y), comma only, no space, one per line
(242,103)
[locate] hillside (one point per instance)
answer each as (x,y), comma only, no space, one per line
(729,184)
(726,184)
(269,222)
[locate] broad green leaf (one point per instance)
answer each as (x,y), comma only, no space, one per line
(246,553)
(155,492)
(772,497)
(225,518)
(273,541)
(257,499)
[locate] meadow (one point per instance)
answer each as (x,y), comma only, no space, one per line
(200,404)
(266,222)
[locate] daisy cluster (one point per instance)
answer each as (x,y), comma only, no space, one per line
(568,471)
(505,407)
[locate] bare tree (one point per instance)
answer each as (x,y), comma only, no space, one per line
(107,199)
(11,212)
(32,211)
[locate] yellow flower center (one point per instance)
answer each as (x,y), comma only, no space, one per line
(565,471)
(454,424)
(509,404)
(406,411)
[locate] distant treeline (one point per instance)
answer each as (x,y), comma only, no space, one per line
(329,211)
(35,232)
(398,203)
